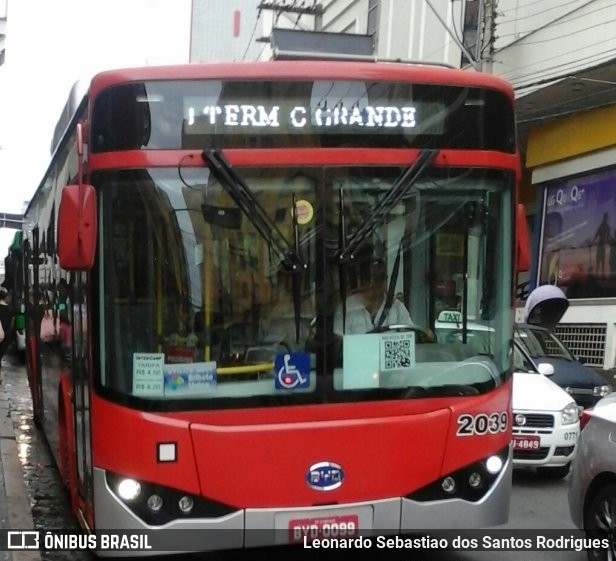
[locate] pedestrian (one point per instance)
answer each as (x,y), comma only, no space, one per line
(6,318)
(602,240)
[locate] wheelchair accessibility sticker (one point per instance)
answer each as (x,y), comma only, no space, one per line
(292,371)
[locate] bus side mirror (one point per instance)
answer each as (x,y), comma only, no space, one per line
(522,240)
(77,225)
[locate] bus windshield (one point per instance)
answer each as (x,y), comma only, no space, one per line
(336,300)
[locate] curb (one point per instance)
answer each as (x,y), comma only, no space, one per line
(17,499)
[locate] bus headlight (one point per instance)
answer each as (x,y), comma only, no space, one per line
(494,464)
(158,504)
(155,503)
(475,480)
(129,489)
(186,504)
(470,483)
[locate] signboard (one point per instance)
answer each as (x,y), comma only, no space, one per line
(148,374)
(579,236)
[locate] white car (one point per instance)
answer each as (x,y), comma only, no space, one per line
(546,419)
(546,422)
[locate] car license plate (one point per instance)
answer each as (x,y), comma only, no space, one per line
(345,526)
(526,442)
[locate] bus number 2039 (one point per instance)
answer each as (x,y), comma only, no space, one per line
(483,423)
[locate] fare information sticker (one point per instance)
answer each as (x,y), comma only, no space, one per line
(148,374)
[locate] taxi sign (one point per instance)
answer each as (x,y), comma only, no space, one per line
(450,316)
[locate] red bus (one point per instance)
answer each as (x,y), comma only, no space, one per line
(215,234)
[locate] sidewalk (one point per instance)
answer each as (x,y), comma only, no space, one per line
(15,509)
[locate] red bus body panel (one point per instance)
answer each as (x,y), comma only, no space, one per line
(259,458)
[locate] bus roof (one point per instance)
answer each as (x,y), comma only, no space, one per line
(75,97)
(305,69)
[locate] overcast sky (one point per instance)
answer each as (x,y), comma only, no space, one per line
(52,44)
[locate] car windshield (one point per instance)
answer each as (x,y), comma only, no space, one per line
(521,361)
(449,328)
(264,284)
(541,343)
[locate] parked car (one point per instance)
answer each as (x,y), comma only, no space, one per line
(592,486)
(545,307)
(583,383)
(546,423)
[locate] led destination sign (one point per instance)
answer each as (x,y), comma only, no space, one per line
(173,114)
(245,115)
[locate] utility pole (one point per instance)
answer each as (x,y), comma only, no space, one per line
(488,35)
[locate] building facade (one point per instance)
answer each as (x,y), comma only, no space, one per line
(561,59)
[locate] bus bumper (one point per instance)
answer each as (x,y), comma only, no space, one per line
(251,527)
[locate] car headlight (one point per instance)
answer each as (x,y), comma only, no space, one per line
(602,391)
(570,414)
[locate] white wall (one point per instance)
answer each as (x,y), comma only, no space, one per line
(406,29)
(409,30)
(345,16)
(537,41)
(212,31)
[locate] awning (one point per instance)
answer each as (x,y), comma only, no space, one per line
(584,90)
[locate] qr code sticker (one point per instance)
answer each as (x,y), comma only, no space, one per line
(397,351)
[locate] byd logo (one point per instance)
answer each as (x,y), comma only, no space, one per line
(325,476)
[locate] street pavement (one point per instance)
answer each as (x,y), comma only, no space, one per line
(15,509)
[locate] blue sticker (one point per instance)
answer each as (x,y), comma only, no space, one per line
(292,371)
(190,378)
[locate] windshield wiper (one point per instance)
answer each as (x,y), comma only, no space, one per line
(244,198)
(393,197)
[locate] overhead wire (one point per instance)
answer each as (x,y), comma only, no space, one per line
(254,30)
(557,71)
(552,25)
(538,13)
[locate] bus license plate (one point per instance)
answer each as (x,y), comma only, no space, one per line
(346,526)
(526,442)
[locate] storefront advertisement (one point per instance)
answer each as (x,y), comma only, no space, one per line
(579,236)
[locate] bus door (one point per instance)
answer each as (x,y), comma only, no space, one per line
(34,357)
(77,338)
